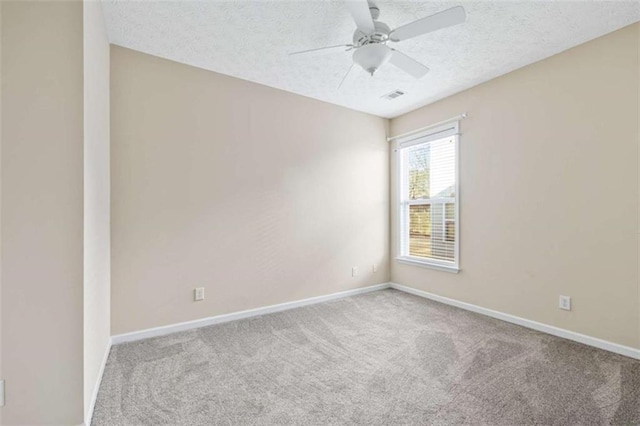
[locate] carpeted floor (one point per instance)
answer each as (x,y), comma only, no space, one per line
(382,358)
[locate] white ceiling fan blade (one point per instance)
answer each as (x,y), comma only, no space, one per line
(455,15)
(408,65)
(359,10)
(323,50)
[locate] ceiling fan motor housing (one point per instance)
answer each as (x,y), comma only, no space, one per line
(380,35)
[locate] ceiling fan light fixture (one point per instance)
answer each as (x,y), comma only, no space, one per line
(372,56)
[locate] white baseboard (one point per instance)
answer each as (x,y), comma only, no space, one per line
(94,397)
(218,319)
(183,326)
(549,329)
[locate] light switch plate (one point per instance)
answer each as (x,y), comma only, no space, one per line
(565,303)
(198,294)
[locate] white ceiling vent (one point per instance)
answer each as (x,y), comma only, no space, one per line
(391,96)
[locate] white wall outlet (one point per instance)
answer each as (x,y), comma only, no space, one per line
(374,268)
(565,303)
(198,293)
(354,271)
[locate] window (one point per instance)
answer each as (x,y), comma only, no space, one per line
(428,209)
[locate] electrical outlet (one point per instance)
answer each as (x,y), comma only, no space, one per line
(198,294)
(565,303)
(374,268)
(354,271)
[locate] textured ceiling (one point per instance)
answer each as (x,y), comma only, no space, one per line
(250,40)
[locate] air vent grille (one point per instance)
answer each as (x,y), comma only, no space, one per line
(395,94)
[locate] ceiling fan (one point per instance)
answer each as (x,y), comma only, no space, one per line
(371,38)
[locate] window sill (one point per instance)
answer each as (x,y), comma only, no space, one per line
(426,264)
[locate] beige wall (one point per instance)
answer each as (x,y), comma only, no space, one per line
(96,198)
(42,204)
(638,123)
(258,195)
(549,184)
(1,373)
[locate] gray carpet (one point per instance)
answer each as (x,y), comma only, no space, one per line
(382,358)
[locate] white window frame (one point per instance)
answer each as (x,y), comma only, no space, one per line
(432,134)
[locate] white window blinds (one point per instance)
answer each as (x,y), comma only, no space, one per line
(428,208)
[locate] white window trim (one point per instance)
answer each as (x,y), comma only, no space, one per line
(432,134)
(430,264)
